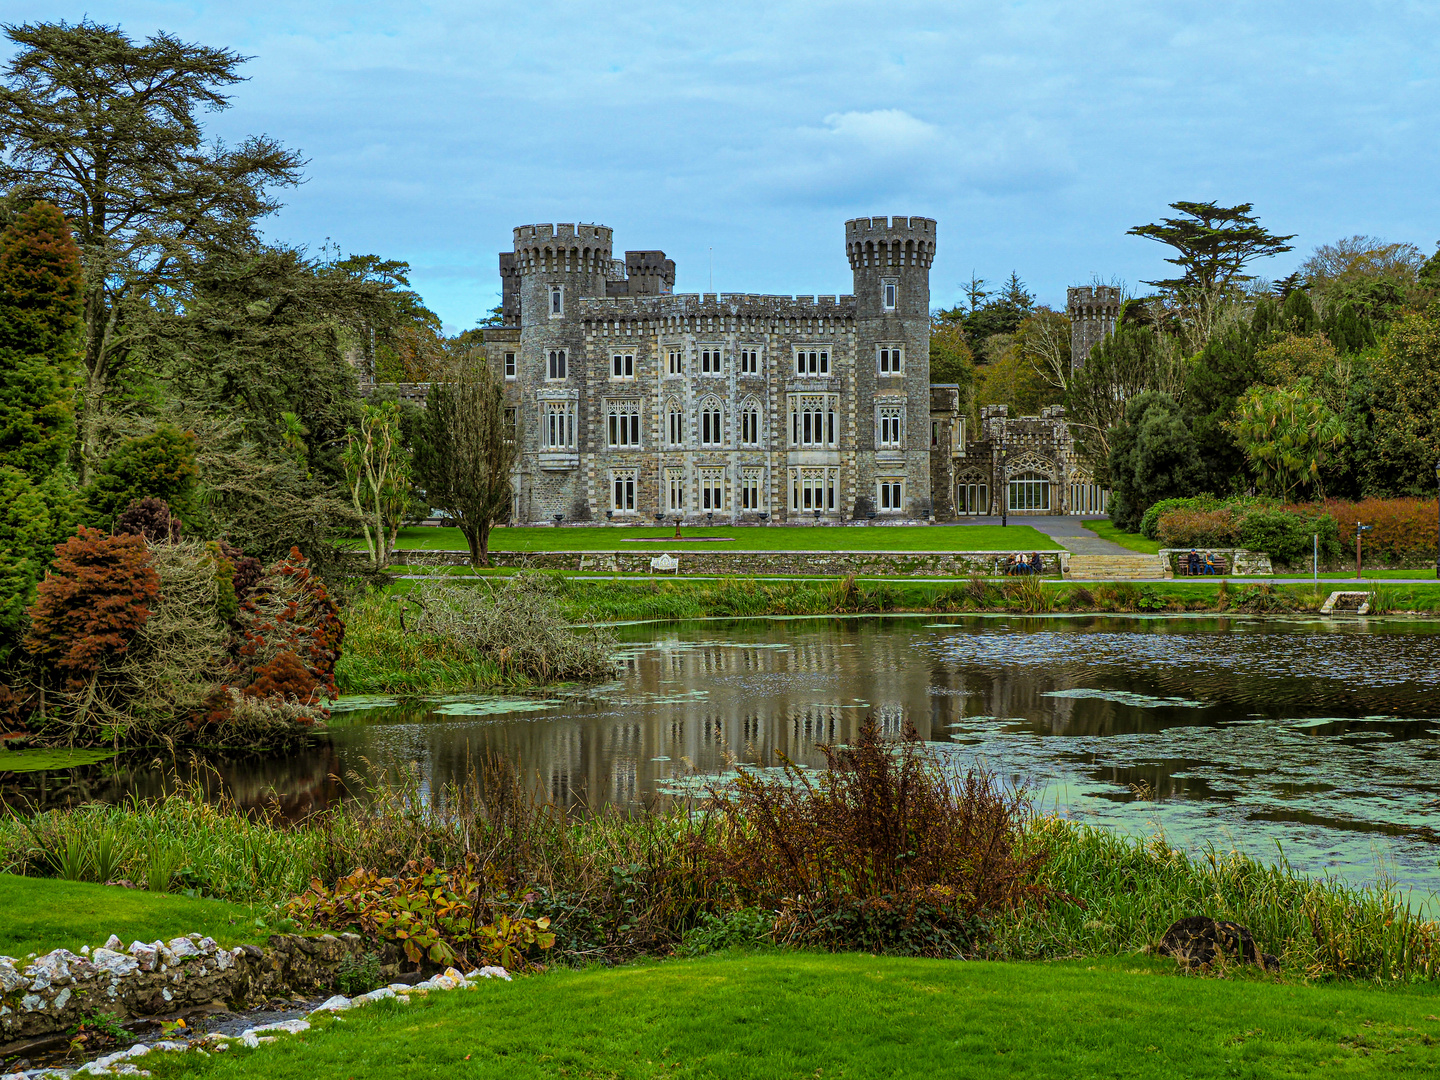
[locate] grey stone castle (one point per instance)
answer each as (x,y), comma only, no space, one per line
(632,402)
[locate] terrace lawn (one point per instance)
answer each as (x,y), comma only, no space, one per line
(745,538)
(805,1015)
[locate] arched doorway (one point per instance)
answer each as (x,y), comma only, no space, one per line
(1030,493)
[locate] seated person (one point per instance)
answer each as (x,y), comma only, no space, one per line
(1035,565)
(1192,563)
(1210,567)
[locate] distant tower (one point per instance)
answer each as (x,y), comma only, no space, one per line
(509,290)
(890,259)
(1093,311)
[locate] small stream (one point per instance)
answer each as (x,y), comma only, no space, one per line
(1313,737)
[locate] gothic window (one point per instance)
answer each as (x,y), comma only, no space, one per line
(557,301)
(750,423)
(676,365)
(889,427)
(622,490)
(891,495)
(712,489)
(622,365)
(812,360)
(557,364)
(890,293)
(888,359)
(750,360)
(509,365)
(750,489)
(675,487)
(813,489)
(1029,491)
(712,431)
(812,420)
(675,424)
(711,360)
(559,431)
(623,429)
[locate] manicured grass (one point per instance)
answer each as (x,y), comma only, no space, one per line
(749,538)
(40,914)
(1106,530)
(765,1016)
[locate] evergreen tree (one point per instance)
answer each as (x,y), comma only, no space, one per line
(1222,371)
(1297,314)
(1152,457)
(40,306)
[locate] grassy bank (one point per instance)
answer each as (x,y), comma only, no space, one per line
(1105,529)
(746,538)
(40,914)
(807,1015)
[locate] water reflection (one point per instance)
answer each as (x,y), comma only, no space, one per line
(1315,734)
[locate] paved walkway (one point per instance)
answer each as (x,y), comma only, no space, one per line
(1066,531)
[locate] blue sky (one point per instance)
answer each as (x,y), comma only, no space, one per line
(1035,132)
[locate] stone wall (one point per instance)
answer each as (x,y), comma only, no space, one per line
(1240,561)
(705,560)
(54,992)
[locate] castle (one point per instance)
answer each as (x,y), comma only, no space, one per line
(631,402)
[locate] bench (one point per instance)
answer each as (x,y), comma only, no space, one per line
(665,563)
(1004,567)
(1220,565)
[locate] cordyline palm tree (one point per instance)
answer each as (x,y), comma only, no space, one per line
(1288,434)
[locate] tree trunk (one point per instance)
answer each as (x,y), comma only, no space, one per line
(473,541)
(484,533)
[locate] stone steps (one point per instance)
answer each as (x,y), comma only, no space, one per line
(1115,567)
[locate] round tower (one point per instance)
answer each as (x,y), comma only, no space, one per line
(557,265)
(894,251)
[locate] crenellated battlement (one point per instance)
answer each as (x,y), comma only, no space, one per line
(716,305)
(563,248)
(876,242)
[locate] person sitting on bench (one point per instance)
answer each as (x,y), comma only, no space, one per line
(1210,567)
(1035,567)
(1192,563)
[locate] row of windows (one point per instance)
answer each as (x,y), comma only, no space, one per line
(889,360)
(889,297)
(809,490)
(813,423)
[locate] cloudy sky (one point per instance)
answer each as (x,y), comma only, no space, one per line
(1035,132)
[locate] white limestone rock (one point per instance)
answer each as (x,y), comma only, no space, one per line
(338,1003)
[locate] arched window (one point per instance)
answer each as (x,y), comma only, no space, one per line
(675,424)
(712,430)
(750,423)
(1029,491)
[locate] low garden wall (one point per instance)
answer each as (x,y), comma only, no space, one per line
(710,559)
(1236,560)
(53,993)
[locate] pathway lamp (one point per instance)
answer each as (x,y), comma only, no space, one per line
(1358,530)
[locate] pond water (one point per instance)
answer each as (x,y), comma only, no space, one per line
(1322,737)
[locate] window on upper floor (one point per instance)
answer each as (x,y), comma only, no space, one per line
(622,365)
(557,301)
(557,368)
(676,362)
(675,424)
(889,426)
(509,365)
(712,361)
(812,360)
(750,424)
(888,359)
(559,430)
(890,294)
(812,420)
(749,360)
(712,423)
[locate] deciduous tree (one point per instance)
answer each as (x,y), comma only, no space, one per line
(377,468)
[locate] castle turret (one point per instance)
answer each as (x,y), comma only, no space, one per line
(558,264)
(1093,312)
(890,259)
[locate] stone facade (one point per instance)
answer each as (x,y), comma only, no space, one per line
(633,403)
(1093,312)
(1025,465)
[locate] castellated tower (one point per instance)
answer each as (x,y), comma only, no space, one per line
(890,259)
(557,266)
(1093,312)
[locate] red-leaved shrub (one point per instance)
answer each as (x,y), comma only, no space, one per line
(150,518)
(98,594)
(1218,528)
(290,612)
(1403,529)
(287,678)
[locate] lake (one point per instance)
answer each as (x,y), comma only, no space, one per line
(1319,736)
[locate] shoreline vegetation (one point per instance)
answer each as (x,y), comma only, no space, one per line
(885,852)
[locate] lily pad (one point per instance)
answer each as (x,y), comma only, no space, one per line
(492,706)
(46,760)
(1125,697)
(355,702)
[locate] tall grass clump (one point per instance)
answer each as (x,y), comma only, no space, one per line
(883,851)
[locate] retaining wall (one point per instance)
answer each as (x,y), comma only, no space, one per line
(714,560)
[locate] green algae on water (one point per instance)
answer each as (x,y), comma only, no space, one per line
(48,760)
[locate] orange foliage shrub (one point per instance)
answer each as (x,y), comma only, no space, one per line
(289,613)
(1218,528)
(1404,529)
(98,594)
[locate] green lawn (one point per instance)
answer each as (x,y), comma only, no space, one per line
(748,538)
(40,914)
(1106,530)
(770,1016)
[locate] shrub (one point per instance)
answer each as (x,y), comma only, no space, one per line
(24,524)
(161,465)
(1194,528)
(1402,530)
(99,594)
(289,613)
(1287,536)
(149,518)
(883,851)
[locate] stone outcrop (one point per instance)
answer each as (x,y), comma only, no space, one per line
(1198,941)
